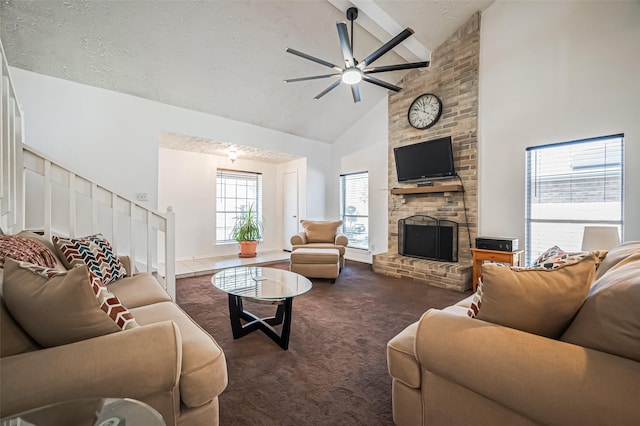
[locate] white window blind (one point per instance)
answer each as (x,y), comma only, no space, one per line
(571,185)
(235,193)
(354,208)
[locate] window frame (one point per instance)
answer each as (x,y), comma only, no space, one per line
(598,170)
(221,175)
(344,216)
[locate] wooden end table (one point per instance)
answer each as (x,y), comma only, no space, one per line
(480,256)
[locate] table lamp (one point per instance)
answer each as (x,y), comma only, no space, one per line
(600,238)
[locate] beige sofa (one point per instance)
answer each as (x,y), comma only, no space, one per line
(167,361)
(451,369)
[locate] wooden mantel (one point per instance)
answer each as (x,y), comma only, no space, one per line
(447,187)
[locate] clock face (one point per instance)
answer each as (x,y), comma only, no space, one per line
(425,111)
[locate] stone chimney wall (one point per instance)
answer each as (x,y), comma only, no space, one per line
(453,77)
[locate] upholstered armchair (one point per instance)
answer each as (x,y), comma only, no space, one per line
(321,234)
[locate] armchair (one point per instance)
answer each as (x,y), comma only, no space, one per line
(321,234)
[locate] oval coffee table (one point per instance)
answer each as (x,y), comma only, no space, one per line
(263,285)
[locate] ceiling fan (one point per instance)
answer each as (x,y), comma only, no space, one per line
(353,71)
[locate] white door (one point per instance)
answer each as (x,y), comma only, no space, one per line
(290,200)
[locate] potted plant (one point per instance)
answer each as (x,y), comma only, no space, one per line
(247,231)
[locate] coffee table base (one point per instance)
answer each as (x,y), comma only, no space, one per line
(283,316)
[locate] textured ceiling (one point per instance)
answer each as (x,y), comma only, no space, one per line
(222,57)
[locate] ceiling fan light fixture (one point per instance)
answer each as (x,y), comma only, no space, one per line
(351,76)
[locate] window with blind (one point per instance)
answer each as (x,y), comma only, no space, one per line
(354,208)
(235,193)
(571,185)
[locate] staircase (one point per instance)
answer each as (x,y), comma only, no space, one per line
(39,193)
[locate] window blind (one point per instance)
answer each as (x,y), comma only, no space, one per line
(354,208)
(571,185)
(235,193)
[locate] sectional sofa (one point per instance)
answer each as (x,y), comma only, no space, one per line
(66,336)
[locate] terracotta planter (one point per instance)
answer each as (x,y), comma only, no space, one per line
(248,248)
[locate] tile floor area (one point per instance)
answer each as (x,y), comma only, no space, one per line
(193,267)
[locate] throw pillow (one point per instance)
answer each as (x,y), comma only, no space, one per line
(59,307)
(95,251)
(550,257)
(536,300)
(25,250)
(476,302)
(319,231)
(609,321)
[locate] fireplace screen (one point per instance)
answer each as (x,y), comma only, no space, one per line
(426,237)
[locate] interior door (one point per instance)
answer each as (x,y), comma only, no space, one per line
(290,208)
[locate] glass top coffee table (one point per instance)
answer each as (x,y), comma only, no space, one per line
(263,285)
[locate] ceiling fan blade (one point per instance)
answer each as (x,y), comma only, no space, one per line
(313,59)
(386,68)
(344,43)
(355,91)
(386,47)
(328,89)
(381,83)
(315,77)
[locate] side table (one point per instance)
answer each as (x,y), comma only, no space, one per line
(513,258)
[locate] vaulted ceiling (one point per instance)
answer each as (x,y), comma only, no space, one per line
(226,58)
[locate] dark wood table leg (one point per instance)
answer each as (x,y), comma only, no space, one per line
(282,316)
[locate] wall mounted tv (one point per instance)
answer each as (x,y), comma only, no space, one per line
(425,160)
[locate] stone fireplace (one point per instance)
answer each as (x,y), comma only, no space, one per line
(453,77)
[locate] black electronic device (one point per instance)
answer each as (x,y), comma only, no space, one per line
(425,160)
(497,243)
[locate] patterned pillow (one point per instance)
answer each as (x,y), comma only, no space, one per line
(537,300)
(59,307)
(95,252)
(25,250)
(476,302)
(554,255)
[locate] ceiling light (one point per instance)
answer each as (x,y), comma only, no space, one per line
(233,155)
(351,76)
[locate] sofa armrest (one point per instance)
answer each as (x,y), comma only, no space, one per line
(299,239)
(132,363)
(548,381)
(341,239)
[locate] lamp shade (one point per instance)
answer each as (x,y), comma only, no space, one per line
(600,238)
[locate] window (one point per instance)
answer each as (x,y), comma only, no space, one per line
(354,208)
(235,193)
(570,185)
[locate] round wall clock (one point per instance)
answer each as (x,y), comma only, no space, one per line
(425,111)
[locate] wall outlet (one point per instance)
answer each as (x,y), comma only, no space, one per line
(142,196)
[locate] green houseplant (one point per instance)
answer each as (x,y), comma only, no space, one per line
(247,231)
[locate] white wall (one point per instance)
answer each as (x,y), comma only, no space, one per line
(364,147)
(112,138)
(553,72)
(187,181)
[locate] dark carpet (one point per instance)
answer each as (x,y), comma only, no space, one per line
(335,370)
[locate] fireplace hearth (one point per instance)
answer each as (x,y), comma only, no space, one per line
(426,237)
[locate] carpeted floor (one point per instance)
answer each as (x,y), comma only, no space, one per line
(335,371)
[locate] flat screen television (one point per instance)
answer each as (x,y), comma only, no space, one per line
(424,161)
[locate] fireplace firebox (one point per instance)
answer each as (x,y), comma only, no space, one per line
(426,237)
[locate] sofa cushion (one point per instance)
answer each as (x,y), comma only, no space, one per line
(609,321)
(320,231)
(204,370)
(95,251)
(139,290)
(25,250)
(56,307)
(536,300)
(617,254)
